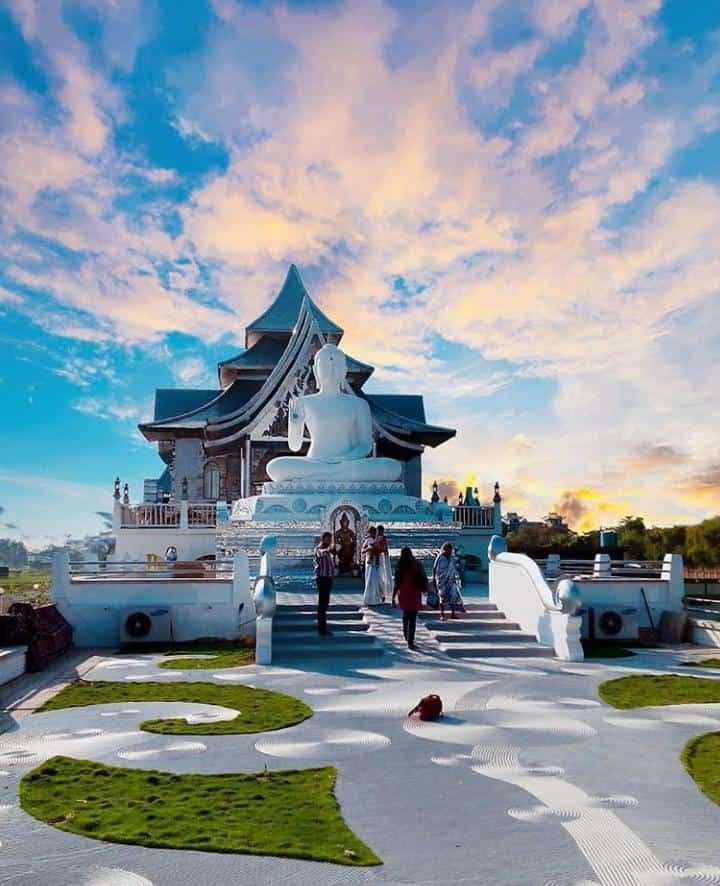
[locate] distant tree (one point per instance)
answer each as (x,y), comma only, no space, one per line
(13,553)
(699,544)
(702,544)
(632,537)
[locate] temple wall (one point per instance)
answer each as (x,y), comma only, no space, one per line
(188,463)
(412,475)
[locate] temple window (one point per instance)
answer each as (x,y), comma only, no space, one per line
(211,482)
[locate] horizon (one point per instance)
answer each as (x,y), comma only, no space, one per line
(510,208)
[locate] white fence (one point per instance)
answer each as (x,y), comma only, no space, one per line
(159,516)
(475,516)
(204,599)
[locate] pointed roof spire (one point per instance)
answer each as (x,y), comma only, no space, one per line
(282,314)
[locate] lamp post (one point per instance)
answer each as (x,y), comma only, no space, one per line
(116,489)
(126,494)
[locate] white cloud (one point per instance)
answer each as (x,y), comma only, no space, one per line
(192,372)
(521,246)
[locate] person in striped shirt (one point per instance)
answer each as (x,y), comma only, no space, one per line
(324,572)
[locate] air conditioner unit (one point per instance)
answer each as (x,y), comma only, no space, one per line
(610,623)
(146,625)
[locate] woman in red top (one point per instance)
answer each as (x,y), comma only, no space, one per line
(410,583)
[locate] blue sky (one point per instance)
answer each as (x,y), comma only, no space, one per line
(512,207)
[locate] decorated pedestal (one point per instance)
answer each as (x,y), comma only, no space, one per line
(300,501)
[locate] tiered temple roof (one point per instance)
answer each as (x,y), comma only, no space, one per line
(254,384)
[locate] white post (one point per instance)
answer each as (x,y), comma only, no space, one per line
(265,602)
(497,515)
(241,577)
(601,566)
(183,514)
(117,516)
(248,469)
(60,586)
(553,566)
(673,572)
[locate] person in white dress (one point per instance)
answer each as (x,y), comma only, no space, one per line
(384,569)
(372,595)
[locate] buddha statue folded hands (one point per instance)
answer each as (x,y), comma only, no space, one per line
(340,427)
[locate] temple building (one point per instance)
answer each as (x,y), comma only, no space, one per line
(216,443)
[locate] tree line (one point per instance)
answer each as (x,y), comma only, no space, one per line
(699,544)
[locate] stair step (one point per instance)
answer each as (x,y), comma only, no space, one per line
(472,610)
(499,650)
(310,624)
(499,637)
(286,615)
(289,637)
(305,607)
(331,647)
(469,624)
(479,606)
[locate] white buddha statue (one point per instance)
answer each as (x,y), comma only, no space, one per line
(340,429)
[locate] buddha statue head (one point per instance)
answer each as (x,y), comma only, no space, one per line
(330,367)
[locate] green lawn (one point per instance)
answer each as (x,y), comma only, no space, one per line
(701,758)
(288,813)
(659,689)
(601,649)
(22,586)
(259,710)
(230,654)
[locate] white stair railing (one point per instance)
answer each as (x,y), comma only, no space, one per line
(518,588)
(265,599)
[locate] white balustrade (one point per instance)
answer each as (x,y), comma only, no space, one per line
(149,515)
(475,516)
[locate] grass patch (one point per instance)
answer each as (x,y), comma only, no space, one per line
(647,690)
(229,654)
(705,663)
(259,710)
(602,649)
(290,813)
(701,758)
(31,585)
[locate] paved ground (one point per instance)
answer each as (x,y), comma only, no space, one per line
(528,779)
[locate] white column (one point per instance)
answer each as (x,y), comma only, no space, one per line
(60,574)
(242,473)
(673,572)
(248,469)
(117,515)
(183,514)
(553,566)
(601,566)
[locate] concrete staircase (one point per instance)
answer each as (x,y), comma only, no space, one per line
(482,632)
(295,636)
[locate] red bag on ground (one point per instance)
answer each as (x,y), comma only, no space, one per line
(428,708)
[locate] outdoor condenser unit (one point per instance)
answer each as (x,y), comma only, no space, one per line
(610,623)
(145,625)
